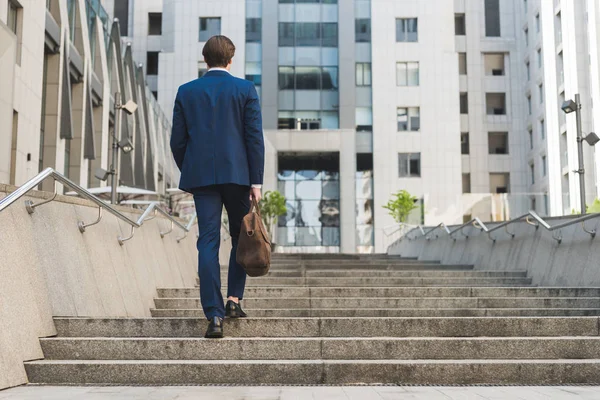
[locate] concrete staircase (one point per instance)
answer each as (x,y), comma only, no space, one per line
(341,319)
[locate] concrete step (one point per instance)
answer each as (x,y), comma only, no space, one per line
(392,312)
(394,302)
(371,267)
(385,273)
(346,292)
(438,372)
(320,348)
(464,281)
(333,327)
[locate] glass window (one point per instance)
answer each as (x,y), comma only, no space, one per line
(254,73)
(363,30)
(329,78)
(308,78)
(409,165)
(406,30)
(209,27)
(530,139)
(532,173)
(364,119)
(542,129)
(492,18)
(541,92)
(253,30)
(330,34)
(537,23)
(154,24)
(286,34)
(407,74)
(152,63)
(408,119)
(544,166)
(539,57)
(363,74)
(526,32)
(529,104)
(498,142)
(308,34)
(121,12)
(462,63)
(528,70)
(286,78)
(459,25)
(464,103)
(464,143)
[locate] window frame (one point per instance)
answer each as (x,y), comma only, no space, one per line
(406,71)
(406,21)
(361,72)
(200,30)
(409,116)
(408,158)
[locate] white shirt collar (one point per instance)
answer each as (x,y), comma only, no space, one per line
(219,69)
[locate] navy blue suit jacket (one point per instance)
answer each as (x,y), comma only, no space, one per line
(217,135)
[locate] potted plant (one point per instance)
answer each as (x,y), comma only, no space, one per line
(272,206)
(400,205)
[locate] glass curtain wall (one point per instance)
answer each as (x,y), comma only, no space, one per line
(254,43)
(308,64)
(311,186)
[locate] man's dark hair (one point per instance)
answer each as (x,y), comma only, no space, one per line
(218,51)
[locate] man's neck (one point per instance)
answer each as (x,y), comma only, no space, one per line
(220,69)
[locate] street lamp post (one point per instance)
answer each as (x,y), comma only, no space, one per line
(568,107)
(130,107)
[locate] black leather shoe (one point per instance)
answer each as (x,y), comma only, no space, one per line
(234,310)
(215,328)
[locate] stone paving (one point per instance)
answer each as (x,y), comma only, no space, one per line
(301,393)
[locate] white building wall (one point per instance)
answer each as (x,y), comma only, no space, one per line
(27,89)
(181,49)
(437,95)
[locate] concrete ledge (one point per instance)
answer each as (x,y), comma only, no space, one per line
(572,263)
(49,268)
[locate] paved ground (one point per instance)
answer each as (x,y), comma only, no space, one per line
(301,393)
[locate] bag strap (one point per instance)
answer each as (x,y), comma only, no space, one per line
(254,207)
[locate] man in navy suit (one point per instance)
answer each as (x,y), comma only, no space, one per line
(217,142)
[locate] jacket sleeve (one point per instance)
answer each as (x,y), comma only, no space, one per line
(253,136)
(179,133)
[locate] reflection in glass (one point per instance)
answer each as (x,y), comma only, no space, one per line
(286,78)
(308,174)
(309,190)
(286,236)
(331,237)
(330,78)
(308,78)
(330,34)
(364,212)
(290,218)
(308,236)
(309,213)
(364,188)
(331,190)
(364,235)
(287,189)
(286,175)
(331,176)
(330,212)
(308,34)
(286,34)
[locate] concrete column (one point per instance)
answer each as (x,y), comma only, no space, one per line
(347,62)
(8,53)
(348,192)
(270,63)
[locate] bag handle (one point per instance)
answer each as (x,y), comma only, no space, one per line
(254,207)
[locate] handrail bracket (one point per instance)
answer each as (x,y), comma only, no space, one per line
(82,225)
(592,232)
(30,205)
(122,240)
(163,234)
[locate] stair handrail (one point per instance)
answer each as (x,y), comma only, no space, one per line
(32,183)
(532,218)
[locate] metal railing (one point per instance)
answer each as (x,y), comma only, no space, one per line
(531,218)
(149,213)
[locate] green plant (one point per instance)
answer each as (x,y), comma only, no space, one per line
(594,208)
(400,205)
(272,206)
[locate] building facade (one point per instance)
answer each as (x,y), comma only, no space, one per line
(457,102)
(61,64)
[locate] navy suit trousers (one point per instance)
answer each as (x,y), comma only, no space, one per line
(209,204)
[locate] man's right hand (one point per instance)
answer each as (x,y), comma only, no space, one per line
(255,193)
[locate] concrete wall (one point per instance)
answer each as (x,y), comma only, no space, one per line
(574,262)
(49,268)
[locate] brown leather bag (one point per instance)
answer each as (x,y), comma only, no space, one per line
(254,246)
